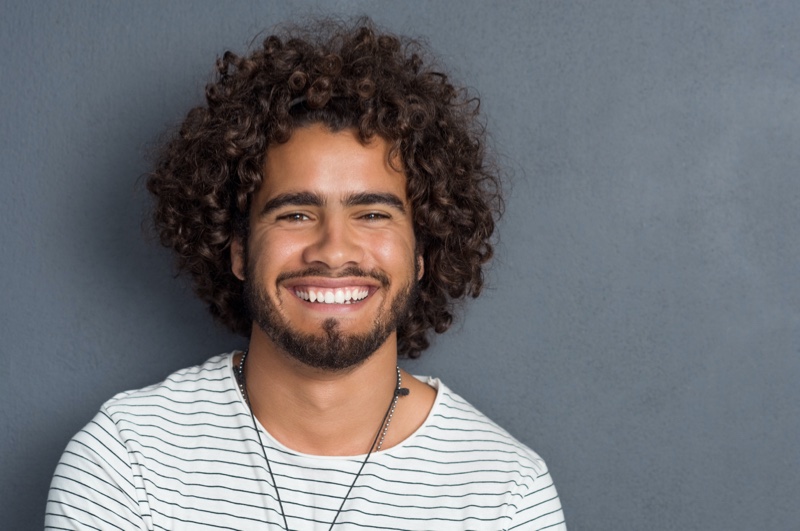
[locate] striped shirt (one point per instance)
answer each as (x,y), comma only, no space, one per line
(184,454)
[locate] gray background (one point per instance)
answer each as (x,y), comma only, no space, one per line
(642,327)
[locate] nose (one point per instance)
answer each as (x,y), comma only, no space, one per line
(335,244)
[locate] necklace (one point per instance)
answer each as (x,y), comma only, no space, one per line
(375,447)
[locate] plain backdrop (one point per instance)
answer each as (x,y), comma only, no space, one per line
(641,330)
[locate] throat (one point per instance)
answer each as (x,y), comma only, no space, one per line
(322,416)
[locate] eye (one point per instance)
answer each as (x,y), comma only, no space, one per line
(375,216)
(294,217)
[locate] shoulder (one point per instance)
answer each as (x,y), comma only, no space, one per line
(462,424)
(182,391)
(536,505)
(472,454)
(192,402)
(134,427)
(210,376)
(100,477)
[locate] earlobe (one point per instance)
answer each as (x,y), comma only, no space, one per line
(420,267)
(237,259)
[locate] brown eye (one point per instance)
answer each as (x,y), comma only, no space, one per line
(294,216)
(374,216)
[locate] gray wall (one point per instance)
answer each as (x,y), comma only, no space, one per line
(642,331)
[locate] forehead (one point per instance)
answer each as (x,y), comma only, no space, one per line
(330,164)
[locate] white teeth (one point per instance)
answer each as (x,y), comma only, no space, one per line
(337,296)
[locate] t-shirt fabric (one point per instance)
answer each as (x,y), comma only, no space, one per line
(184,454)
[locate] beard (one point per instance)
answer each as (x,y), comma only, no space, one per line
(331,349)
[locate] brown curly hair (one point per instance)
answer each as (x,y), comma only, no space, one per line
(343,76)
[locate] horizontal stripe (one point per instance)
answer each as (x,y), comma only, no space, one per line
(183,454)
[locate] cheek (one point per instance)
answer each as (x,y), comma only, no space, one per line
(269,253)
(392,253)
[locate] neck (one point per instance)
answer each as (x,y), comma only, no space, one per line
(318,411)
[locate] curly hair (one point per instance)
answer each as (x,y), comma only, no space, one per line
(345,76)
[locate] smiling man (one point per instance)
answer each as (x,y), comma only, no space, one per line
(331,202)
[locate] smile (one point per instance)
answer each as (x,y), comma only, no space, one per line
(348,295)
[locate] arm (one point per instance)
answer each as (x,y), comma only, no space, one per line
(93,486)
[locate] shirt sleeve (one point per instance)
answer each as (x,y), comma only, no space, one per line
(539,508)
(93,486)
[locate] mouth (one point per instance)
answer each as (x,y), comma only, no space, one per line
(323,295)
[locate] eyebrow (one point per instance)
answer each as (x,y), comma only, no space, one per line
(368,198)
(292,199)
(350,200)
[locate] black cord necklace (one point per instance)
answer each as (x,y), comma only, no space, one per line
(374,447)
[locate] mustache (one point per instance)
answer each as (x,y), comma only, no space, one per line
(352,271)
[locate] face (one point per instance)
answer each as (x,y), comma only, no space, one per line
(330,268)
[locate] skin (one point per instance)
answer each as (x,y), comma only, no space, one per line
(348,208)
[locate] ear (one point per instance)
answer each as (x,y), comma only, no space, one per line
(420,267)
(237,258)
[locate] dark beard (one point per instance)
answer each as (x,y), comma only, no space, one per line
(332,349)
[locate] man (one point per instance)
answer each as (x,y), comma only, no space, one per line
(330,202)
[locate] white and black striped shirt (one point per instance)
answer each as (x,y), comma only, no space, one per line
(184,454)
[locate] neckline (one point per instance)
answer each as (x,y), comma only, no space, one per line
(433,382)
